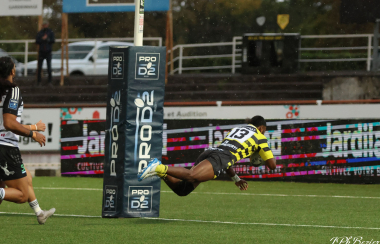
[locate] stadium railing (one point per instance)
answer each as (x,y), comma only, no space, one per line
(209,55)
(236,54)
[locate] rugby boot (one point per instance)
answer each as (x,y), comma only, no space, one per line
(44,215)
(150,170)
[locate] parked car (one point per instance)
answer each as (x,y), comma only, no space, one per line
(19,66)
(84,59)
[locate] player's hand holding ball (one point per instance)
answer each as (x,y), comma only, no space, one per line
(256,160)
(242,184)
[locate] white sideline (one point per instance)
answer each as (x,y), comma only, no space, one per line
(213,221)
(65,188)
(217,193)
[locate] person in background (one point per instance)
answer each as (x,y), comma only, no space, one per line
(45,39)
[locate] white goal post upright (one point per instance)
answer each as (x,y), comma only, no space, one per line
(139,22)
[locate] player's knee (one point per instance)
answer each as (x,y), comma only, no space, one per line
(184,189)
(22,198)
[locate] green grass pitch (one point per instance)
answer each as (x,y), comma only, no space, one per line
(216,212)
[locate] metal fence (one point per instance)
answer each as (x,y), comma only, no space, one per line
(236,54)
(229,52)
(29,44)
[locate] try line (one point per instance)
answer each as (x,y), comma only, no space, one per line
(217,193)
(212,221)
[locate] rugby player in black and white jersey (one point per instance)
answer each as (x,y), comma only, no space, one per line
(13,173)
(241,142)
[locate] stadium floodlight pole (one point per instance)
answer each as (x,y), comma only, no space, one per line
(139,22)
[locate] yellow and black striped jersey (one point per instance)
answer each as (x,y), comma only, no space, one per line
(243,141)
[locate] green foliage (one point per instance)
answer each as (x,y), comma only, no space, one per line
(195,21)
(198,21)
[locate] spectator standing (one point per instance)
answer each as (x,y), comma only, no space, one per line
(45,39)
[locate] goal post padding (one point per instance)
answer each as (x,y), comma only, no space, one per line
(135,99)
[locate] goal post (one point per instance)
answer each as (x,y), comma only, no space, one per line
(139,22)
(134,126)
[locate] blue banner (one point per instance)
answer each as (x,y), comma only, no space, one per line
(102,6)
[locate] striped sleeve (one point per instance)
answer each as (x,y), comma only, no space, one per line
(263,147)
(12,101)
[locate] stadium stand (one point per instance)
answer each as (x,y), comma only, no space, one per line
(202,87)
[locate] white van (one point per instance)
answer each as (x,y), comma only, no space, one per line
(19,66)
(84,59)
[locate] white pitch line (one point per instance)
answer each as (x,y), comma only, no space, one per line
(65,188)
(268,224)
(60,215)
(214,221)
(218,193)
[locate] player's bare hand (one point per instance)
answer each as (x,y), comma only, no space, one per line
(38,137)
(41,126)
(242,184)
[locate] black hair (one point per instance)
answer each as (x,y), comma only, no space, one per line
(258,121)
(6,67)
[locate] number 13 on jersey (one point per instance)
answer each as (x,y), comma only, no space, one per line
(240,134)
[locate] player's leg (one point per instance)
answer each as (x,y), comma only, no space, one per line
(39,67)
(17,191)
(181,187)
(42,215)
(175,184)
(13,174)
(172,182)
(181,180)
(202,172)
(48,62)
(2,185)
(32,195)
(199,173)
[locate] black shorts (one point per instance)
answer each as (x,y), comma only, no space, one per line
(11,166)
(218,158)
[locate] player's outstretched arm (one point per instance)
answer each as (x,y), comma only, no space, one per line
(242,184)
(39,126)
(11,124)
(271,163)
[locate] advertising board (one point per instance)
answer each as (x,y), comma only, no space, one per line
(21,8)
(98,6)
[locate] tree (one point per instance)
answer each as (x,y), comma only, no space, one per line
(195,21)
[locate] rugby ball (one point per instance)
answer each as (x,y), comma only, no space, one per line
(139,102)
(256,160)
